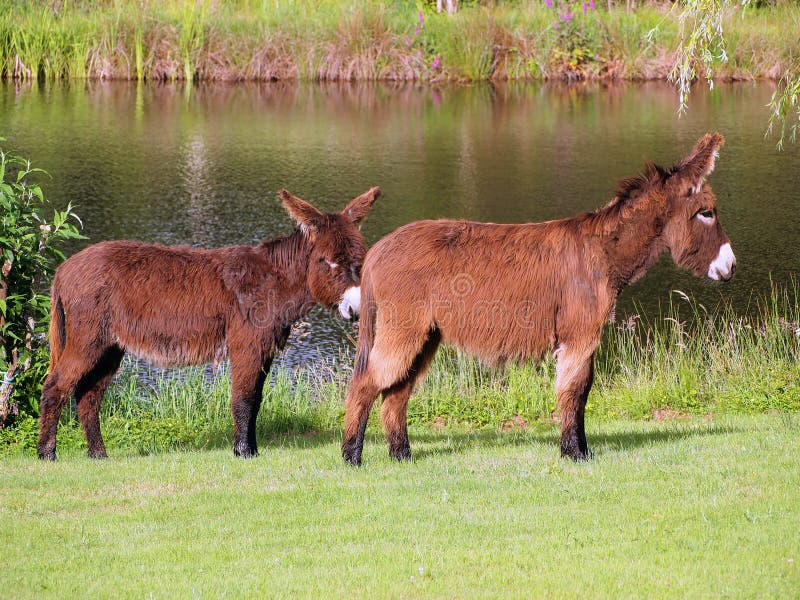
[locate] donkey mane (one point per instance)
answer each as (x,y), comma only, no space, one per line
(286,251)
(631,188)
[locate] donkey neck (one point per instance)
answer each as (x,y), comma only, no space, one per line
(290,256)
(631,234)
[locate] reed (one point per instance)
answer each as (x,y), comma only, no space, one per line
(367,40)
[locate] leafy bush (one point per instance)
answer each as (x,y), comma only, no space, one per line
(31,236)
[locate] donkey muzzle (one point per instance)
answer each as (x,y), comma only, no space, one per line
(350,303)
(724,265)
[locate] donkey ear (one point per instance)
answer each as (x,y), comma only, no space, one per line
(693,170)
(301,211)
(359,207)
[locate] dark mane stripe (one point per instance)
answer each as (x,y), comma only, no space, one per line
(632,187)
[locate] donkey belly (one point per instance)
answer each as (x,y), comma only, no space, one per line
(171,336)
(499,332)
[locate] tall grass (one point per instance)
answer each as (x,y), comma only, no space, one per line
(372,39)
(693,360)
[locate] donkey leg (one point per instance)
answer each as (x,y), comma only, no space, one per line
(259,396)
(247,389)
(575,374)
(56,391)
(395,400)
(393,415)
(89,394)
(357,406)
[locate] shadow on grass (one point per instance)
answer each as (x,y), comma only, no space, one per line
(155,438)
(544,435)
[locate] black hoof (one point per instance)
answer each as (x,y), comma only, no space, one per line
(400,454)
(245,452)
(575,453)
(351,454)
(47,455)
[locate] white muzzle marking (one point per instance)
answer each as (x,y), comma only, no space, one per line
(351,302)
(722,266)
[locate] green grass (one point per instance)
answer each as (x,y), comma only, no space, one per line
(694,421)
(372,39)
(697,508)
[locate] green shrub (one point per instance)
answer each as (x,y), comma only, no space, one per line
(31,236)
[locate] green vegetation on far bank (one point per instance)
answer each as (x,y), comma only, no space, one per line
(373,39)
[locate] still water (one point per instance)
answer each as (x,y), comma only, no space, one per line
(201,165)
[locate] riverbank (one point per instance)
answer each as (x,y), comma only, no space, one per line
(355,40)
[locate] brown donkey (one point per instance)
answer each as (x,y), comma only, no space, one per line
(175,305)
(515,292)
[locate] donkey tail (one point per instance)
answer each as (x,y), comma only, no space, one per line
(58,327)
(366,330)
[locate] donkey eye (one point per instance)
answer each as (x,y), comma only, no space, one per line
(706,216)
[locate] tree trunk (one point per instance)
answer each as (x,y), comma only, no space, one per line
(7,383)
(7,408)
(450,6)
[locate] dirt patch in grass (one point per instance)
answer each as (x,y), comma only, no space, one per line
(668,414)
(516,422)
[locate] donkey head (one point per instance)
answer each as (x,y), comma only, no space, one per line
(694,234)
(337,249)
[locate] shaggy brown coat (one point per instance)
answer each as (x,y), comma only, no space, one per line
(174,305)
(515,292)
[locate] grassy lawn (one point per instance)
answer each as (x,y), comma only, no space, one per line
(701,507)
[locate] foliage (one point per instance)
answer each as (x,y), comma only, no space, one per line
(379,39)
(785,101)
(32,234)
(577,36)
(702,45)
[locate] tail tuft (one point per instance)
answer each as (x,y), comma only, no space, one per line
(366,331)
(58,328)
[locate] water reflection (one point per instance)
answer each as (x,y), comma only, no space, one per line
(202,165)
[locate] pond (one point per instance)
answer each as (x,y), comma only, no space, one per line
(201,165)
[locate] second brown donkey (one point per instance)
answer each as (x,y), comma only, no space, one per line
(175,305)
(515,292)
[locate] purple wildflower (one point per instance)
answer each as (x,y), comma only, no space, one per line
(548,3)
(591,4)
(436,62)
(584,7)
(421,19)
(416,29)
(568,16)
